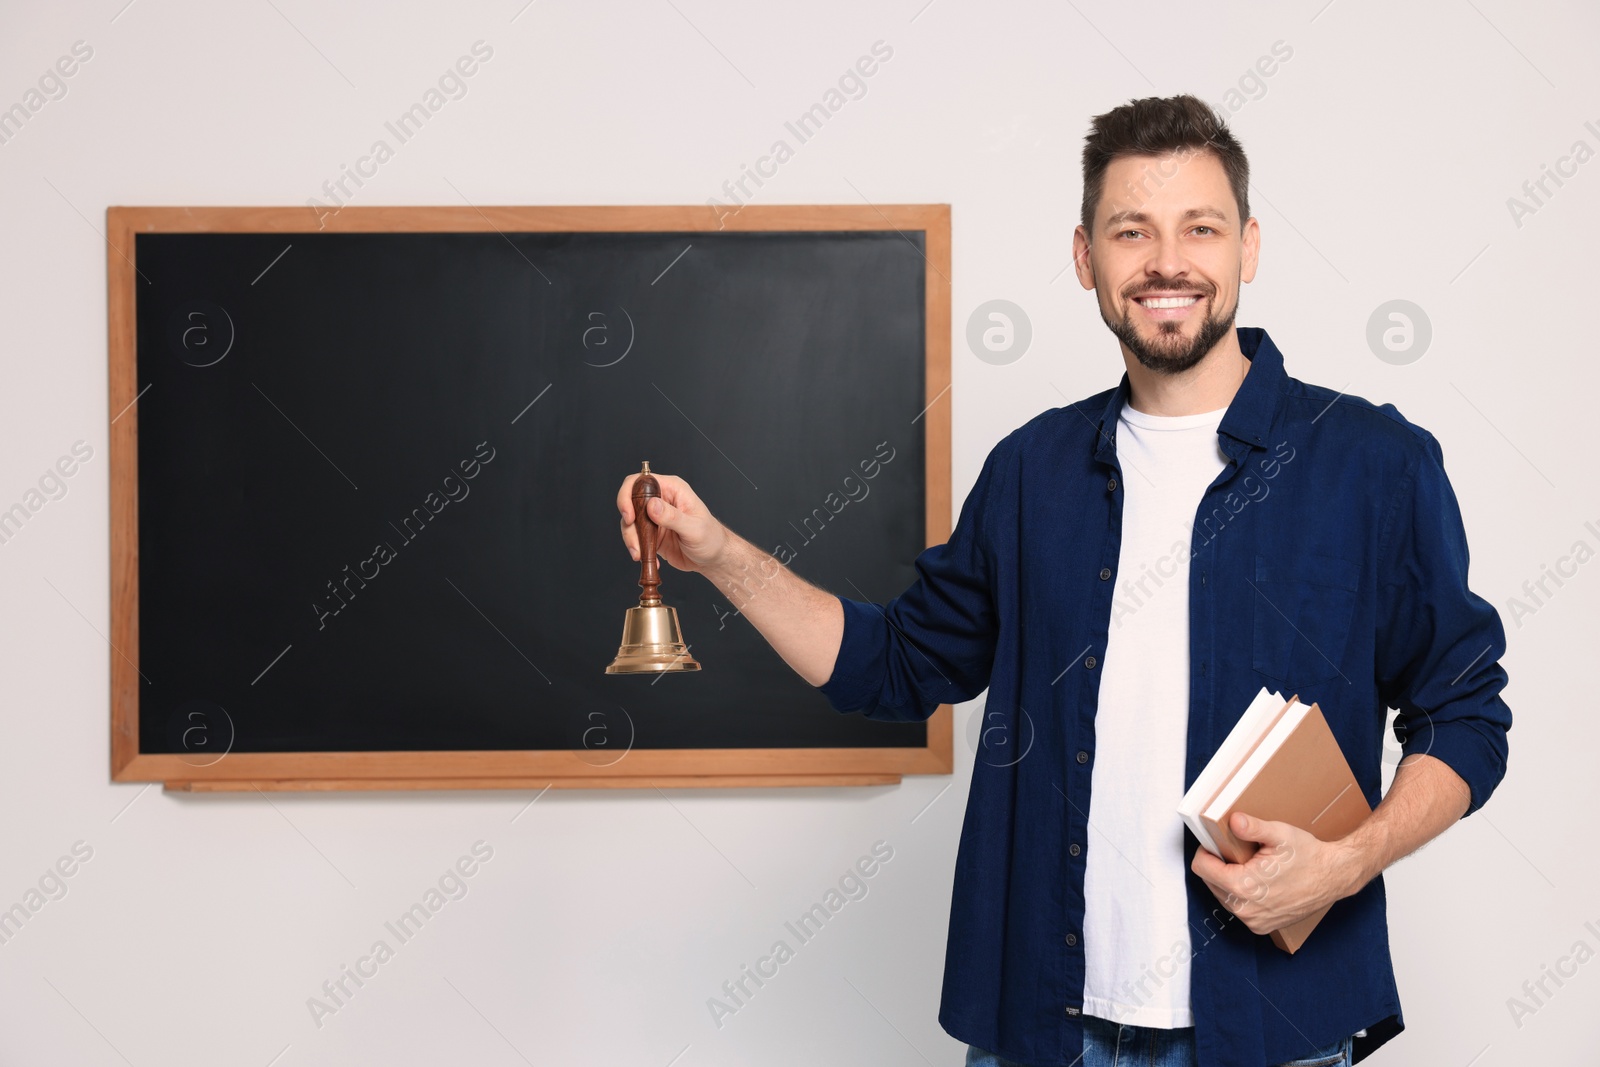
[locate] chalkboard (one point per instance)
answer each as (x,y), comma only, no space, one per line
(365,482)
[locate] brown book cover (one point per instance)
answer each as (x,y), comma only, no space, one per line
(1307,783)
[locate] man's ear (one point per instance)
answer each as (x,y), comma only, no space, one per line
(1251,237)
(1081,263)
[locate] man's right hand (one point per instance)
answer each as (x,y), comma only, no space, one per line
(803,623)
(691,539)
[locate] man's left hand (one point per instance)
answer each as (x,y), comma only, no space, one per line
(1291,876)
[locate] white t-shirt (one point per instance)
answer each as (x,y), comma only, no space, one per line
(1136,930)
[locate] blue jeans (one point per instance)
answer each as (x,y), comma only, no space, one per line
(1109,1044)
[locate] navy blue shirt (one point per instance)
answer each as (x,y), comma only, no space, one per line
(1328,560)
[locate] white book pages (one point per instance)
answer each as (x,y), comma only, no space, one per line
(1254,723)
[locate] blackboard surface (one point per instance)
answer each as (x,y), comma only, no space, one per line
(377,472)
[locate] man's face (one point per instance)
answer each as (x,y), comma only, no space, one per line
(1167,256)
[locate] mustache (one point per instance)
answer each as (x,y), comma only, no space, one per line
(1204,291)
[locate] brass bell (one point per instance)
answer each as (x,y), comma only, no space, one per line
(651,640)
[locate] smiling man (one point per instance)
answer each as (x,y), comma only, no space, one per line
(1126,574)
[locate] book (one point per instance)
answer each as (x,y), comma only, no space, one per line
(1280,762)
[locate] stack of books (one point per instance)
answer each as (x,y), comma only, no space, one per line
(1279,762)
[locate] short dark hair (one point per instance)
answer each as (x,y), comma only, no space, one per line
(1155,126)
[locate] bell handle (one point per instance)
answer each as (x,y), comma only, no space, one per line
(646,488)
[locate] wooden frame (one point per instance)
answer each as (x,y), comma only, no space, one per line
(496,769)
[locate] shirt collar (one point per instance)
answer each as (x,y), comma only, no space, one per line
(1251,412)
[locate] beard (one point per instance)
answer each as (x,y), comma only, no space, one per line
(1168,352)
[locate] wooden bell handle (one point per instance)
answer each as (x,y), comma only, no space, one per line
(645,488)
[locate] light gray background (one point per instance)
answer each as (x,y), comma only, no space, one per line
(1384,152)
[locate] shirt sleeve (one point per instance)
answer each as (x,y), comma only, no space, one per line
(1439,643)
(935,642)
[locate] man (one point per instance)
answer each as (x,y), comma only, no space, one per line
(1126,574)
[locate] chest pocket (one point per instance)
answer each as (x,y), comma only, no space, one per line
(1303,610)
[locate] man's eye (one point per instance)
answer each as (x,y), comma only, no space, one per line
(1208,229)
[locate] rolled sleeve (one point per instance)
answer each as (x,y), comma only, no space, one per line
(935,642)
(1439,643)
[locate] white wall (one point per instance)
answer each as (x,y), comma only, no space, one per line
(1384,151)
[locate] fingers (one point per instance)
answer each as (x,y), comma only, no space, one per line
(665,515)
(677,501)
(1213,871)
(1206,864)
(676,491)
(625,499)
(625,511)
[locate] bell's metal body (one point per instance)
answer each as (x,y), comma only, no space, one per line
(651,640)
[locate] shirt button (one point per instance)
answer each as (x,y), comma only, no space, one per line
(1083,757)
(1090,662)
(1073,849)
(1072,939)
(1105,573)
(1111,485)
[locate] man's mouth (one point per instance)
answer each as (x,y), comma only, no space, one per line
(1167,305)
